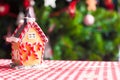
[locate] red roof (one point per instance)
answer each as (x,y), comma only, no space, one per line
(23,28)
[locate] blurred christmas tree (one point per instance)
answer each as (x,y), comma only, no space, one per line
(75,32)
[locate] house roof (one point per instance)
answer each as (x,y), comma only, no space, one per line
(19,29)
(29,22)
(23,28)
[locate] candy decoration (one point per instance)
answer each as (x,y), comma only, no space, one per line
(21,58)
(32,47)
(22,47)
(38,46)
(91,5)
(89,20)
(30,52)
(50,3)
(4,9)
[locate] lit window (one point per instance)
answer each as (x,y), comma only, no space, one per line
(31,35)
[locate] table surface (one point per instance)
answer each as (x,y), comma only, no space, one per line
(63,70)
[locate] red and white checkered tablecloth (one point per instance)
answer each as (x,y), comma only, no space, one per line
(63,70)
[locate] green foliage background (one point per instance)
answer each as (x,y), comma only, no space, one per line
(71,39)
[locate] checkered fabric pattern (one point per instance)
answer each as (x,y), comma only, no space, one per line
(63,70)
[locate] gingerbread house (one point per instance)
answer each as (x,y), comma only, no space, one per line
(28,43)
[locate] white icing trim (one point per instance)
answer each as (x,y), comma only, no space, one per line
(12,39)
